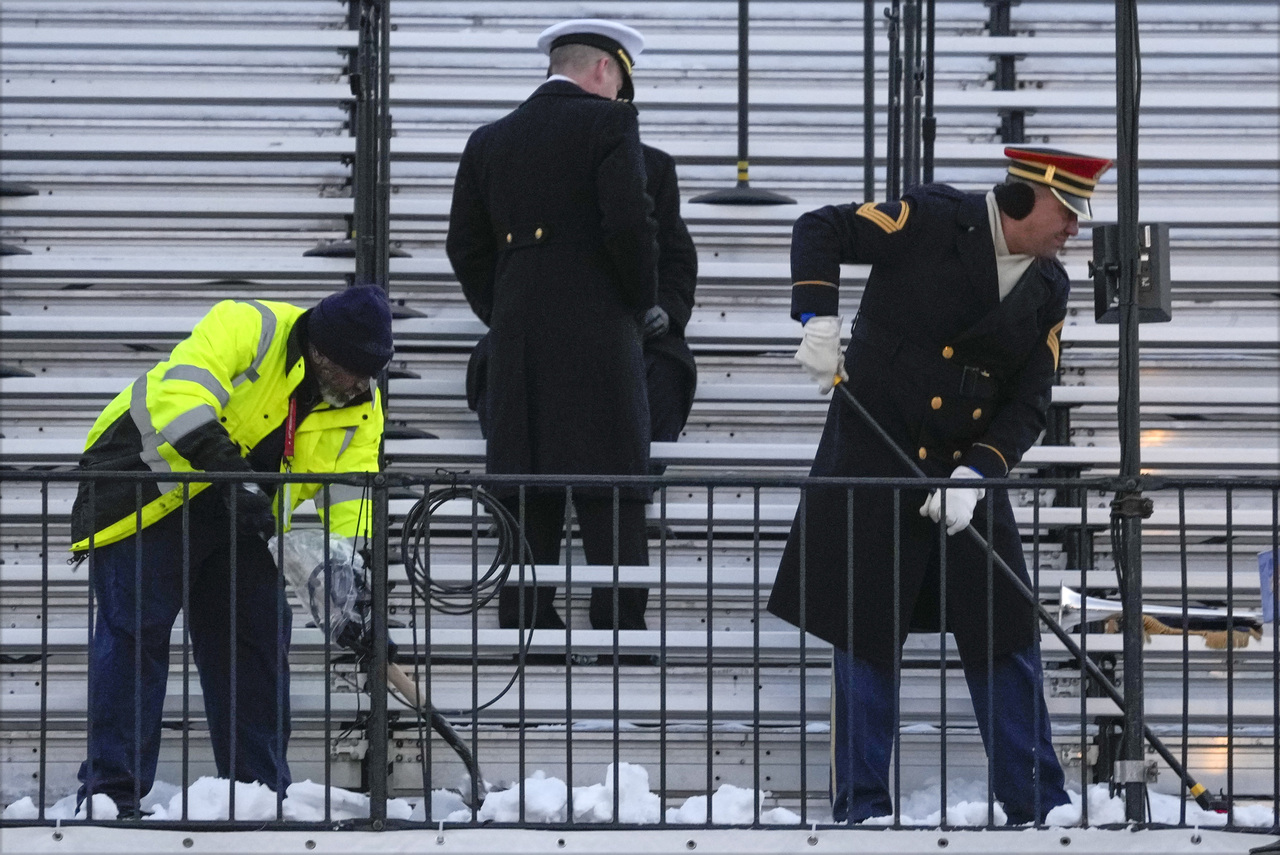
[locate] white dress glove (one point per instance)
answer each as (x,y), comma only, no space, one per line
(960,502)
(819,351)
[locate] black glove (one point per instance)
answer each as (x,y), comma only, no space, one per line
(655,323)
(253,512)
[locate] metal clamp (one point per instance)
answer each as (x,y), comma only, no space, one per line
(1136,772)
(1131,505)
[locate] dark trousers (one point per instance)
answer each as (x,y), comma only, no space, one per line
(138,583)
(1027,778)
(544,528)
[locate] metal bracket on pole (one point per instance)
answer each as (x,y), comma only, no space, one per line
(1130,506)
(1136,772)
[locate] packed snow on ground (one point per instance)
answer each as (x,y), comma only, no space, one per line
(546,800)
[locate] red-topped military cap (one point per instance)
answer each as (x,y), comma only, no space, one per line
(1071,177)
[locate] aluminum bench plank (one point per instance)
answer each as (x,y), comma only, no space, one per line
(1240,215)
(189,146)
(659,42)
(740,513)
(144,90)
(485,642)
(734,578)
(178,38)
(95,389)
(462,328)
(686,149)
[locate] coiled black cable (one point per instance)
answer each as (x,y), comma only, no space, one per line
(463,598)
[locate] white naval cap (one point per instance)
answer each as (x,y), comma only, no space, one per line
(617,40)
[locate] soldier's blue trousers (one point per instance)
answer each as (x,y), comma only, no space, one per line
(138,602)
(1012,718)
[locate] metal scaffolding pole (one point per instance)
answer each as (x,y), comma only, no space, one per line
(1129,507)
(743,193)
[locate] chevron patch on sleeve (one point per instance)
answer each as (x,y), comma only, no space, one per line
(1055,343)
(889,216)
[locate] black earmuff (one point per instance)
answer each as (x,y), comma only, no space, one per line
(1015,200)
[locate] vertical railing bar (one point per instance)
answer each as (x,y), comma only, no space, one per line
(801,593)
(284,613)
(422,542)
(662,657)
(615,608)
(476,786)
(186,646)
(324,498)
(44,646)
(567,521)
(991,683)
(1085,563)
(378,725)
(1036,724)
(521,747)
(91,778)
(327,658)
(802,514)
(711,490)
(1186,653)
(1231,661)
(1275,653)
(137,647)
(232,742)
(755,657)
(897,657)
(849,627)
(942,660)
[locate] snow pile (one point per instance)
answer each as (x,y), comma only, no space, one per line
(546,800)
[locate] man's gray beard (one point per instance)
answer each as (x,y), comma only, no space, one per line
(334,398)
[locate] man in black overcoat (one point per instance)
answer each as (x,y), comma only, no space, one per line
(671,374)
(953,351)
(552,236)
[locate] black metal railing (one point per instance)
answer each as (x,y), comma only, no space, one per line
(714,691)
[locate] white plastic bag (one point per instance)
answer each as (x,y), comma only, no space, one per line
(303,565)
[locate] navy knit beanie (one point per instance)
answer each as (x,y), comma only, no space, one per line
(353,328)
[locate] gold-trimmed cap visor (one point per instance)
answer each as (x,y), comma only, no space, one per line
(1071,177)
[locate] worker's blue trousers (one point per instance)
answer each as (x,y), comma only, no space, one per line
(139,586)
(1012,718)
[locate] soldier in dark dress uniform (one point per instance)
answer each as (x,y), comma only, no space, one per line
(953,351)
(552,236)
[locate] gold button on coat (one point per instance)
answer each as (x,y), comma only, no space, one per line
(923,452)
(537,235)
(977,414)
(936,403)
(947,352)
(955,455)
(508,237)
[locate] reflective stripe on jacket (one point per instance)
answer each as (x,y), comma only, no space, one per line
(235,367)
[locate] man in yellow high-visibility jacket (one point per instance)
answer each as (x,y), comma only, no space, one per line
(257,387)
